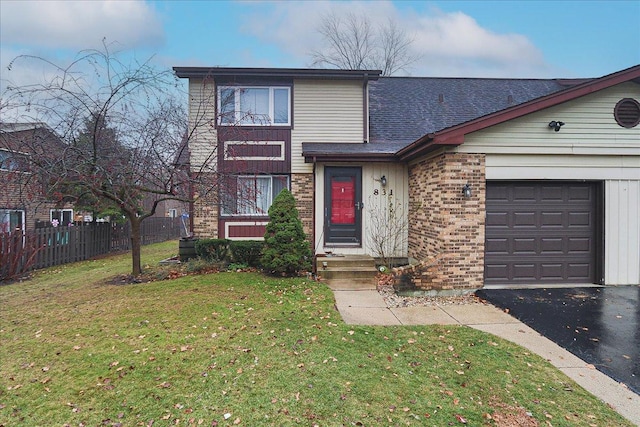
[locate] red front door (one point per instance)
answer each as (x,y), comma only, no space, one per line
(343,205)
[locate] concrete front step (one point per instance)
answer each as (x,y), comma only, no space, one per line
(328,262)
(348,273)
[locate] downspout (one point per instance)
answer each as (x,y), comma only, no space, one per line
(314,267)
(365,109)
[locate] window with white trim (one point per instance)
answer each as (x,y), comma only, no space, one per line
(12,161)
(253,195)
(11,220)
(62,216)
(254,106)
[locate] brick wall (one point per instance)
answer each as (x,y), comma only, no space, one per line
(205,214)
(447,229)
(302,190)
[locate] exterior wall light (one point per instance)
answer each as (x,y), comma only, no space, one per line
(466,191)
(555,125)
(383,181)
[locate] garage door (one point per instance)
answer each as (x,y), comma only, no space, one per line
(540,233)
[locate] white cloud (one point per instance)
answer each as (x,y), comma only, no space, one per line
(448,44)
(79,24)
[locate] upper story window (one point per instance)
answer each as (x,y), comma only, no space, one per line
(254,106)
(12,161)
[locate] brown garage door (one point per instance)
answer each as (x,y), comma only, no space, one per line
(541,233)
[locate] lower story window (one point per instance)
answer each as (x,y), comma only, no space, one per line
(252,195)
(11,220)
(61,216)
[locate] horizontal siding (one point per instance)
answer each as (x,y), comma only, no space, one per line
(622,232)
(536,166)
(203,140)
(590,129)
(324,111)
(397,180)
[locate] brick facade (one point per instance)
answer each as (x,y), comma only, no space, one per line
(205,216)
(303,191)
(446,230)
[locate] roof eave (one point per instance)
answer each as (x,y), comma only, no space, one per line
(349,157)
(202,72)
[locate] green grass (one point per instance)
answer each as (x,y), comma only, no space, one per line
(76,350)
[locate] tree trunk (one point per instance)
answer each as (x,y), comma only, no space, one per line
(136,263)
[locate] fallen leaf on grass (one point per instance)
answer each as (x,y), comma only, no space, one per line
(461,419)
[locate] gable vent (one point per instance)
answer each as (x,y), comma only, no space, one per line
(627,112)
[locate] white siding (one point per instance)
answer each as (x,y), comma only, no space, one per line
(397,181)
(590,129)
(324,111)
(622,232)
(203,140)
(515,166)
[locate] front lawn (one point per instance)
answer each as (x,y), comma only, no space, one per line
(245,349)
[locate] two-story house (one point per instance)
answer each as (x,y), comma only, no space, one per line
(23,201)
(493,181)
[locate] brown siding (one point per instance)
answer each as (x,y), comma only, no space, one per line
(447,229)
(240,166)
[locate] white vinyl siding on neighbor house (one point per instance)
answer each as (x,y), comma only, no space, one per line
(202,114)
(325,111)
(622,232)
(375,202)
(591,146)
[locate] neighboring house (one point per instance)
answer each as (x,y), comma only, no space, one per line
(499,181)
(22,201)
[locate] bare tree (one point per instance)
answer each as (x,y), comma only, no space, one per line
(124,126)
(389,228)
(353,42)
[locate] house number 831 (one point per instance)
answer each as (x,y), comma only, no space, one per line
(383,192)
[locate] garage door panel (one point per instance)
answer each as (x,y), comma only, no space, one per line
(551,219)
(579,193)
(497,219)
(524,219)
(550,193)
(552,270)
(527,245)
(579,245)
(524,271)
(580,219)
(545,233)
(579,271)
(524,193)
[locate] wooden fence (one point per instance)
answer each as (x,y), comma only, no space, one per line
(61,245)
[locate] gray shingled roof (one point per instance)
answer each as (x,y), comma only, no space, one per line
(403,109)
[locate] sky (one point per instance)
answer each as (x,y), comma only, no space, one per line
(529,39)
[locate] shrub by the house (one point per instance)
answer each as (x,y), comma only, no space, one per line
(213,249)
(246,252)
(286,250)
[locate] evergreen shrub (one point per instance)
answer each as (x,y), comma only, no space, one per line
(286,250)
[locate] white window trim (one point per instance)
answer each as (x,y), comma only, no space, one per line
(238,112)
(5,214)
(281,144)
(51,211)
(229,224)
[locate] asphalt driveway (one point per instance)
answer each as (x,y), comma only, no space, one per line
(599,325)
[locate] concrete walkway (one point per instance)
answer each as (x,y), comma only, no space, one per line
(367,307)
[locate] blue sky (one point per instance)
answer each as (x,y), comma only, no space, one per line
(538,39)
